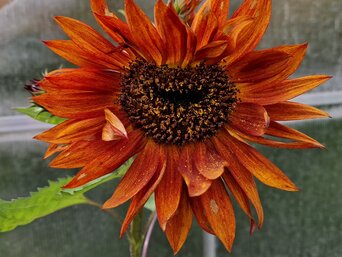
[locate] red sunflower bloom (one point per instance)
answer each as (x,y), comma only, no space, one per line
(185,97)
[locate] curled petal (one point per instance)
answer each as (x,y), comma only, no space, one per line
(251,119)
(139,174)
(114,129)
(267,94)
(178,227)
(286,111)
(196,182)
(208,162)
(212,52)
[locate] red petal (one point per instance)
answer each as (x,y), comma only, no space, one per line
(218,209)
(196,182)
(168,192)
(139,200)
(173,33)
(239,195)
(114,129)
(208,162)
(272,143)
(82,80)
(253,161)
(144,34)
(75,105)
(72,53)
(212,52)
(111,24)
(250,37)
(89,40)
(139,174)
(220,8)
(178,227)
(191,47)
(277,130)
(251,119)
(54,148)
(243,177)
(104,163)
(72,130)
(286,111)
(267,94)
(201,217)
(205,27)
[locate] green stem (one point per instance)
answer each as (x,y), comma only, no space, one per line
(136,235)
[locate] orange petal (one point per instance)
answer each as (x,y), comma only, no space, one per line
(243,177)
(80,153)
(75,105)
(286,111)
(139,174)
(178,227)
(54,148)
(92,42)
(251,119)
(211,52)
(111,24)
(168,192)
(205,28)
(246,182)
(191,47)
(277,130)
(173,33)
(239,195)
(267,94)
(208,162)
(220,8)
(145,35)
(201,217)
(72,53)
(139,200)
(218,209)
(72,130)
(110,160)
(233,27)
(114,129)
(83,80)
(259,65)
(251,35)
(272,143)
(196,182)
(253,161)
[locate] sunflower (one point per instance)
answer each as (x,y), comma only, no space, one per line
(186,96)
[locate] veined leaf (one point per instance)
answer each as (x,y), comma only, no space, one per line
(39,113)
(48,200)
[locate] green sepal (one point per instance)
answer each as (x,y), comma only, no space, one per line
(39,113)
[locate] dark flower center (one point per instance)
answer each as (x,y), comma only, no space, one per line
(177,105)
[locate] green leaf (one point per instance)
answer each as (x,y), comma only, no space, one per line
(48,200)
(39,113)
(150,204)
(45,201)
